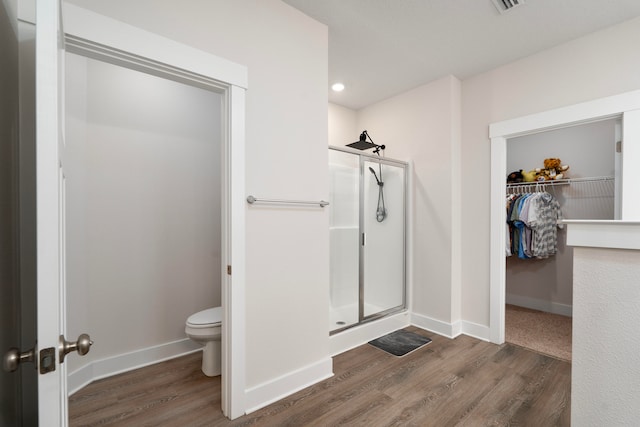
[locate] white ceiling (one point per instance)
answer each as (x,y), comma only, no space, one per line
(379,48)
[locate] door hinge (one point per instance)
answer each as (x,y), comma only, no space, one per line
(229,270)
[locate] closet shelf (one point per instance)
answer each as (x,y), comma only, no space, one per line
(566,181)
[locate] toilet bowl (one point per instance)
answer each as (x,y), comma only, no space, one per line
(205,327)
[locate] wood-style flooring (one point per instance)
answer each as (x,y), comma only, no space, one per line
(459,382)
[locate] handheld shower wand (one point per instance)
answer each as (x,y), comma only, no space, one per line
(376,176)
(381,211)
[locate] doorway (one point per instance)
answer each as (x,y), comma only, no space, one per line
(539,284)
(143,193)
(624,106)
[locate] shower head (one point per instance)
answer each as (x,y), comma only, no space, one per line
(363,144)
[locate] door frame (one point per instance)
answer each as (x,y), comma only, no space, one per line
(52,404)
(103,38)
(626,105)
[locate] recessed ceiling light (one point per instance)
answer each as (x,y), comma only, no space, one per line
(337,87)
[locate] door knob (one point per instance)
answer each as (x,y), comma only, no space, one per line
(13,358)
(82,346)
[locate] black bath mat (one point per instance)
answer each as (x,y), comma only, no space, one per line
(400,342)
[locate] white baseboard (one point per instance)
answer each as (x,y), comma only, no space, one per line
(449,330)
(480,332)
(358,335)
(541,305)
(266,393)
(126,362)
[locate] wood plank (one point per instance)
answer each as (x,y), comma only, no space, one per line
(461,381)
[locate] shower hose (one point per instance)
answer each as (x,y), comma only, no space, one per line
(381,211)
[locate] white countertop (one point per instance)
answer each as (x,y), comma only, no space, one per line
(614,234)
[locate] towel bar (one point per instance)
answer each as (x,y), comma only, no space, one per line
(322,203)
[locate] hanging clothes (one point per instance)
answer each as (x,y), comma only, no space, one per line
(532,223)
(544,223)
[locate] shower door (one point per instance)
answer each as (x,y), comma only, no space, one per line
(382,273)
(367,237)
(344,238)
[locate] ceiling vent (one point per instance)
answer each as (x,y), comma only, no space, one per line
(506,5)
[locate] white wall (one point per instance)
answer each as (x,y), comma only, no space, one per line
(342,126)
(588,149)
(594,66)
(422,126)
(287,257)
(143,206)
(605,371)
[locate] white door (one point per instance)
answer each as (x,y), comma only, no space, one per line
(50,182)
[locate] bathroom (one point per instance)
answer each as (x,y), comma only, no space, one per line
(279,131)
(143,213)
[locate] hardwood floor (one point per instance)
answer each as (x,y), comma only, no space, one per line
(459,382)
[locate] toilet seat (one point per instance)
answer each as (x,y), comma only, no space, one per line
(205,318)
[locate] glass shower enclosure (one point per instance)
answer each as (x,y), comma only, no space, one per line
(367,230)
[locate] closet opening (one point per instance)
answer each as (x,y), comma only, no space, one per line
(539,265)
(625,110)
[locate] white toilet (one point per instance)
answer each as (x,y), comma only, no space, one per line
(205,327)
